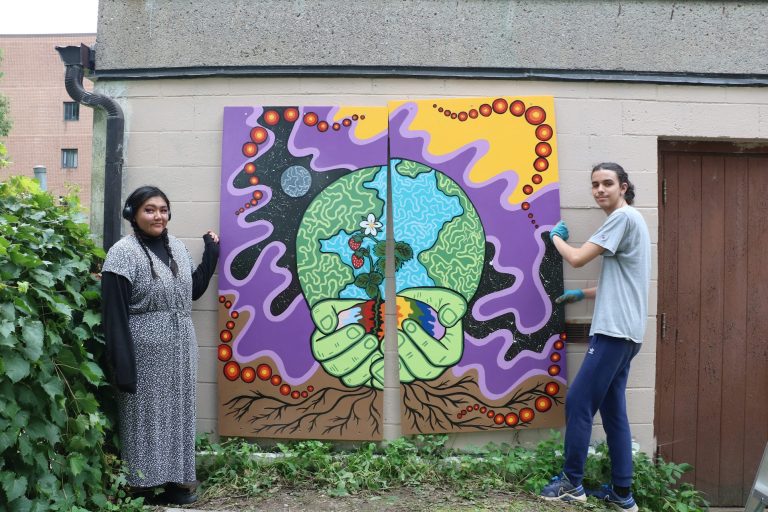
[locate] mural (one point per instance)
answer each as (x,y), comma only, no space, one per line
(474,191)
(301,281)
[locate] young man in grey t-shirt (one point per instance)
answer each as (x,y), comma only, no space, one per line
(618,326)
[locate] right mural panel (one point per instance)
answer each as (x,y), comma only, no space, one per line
(475,192)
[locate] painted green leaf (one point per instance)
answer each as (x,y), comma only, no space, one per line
(361,281)
(380,249)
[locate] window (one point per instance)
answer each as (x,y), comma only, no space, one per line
(71,111)
(69,158)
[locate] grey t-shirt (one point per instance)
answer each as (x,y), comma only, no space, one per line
(621,305)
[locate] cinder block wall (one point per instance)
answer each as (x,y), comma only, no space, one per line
(173,140)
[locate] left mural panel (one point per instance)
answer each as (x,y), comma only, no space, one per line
(301,288)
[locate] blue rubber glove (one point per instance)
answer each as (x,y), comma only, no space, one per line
(560,230)
(570,296)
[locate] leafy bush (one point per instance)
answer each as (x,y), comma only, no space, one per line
(52,430)
(237,467)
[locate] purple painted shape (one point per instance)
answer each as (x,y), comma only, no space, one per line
(336,149)
(497,377)
(518,244)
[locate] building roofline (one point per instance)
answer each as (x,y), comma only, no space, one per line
(682,78)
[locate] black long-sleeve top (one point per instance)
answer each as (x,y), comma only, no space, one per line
(115,295)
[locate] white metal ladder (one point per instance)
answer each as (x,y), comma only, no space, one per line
(758,496)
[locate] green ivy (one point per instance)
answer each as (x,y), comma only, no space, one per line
(52,429)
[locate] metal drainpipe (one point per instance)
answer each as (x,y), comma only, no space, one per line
(75,58)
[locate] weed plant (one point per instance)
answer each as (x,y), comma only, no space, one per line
(238,468)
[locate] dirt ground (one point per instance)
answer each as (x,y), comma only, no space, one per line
(404,499)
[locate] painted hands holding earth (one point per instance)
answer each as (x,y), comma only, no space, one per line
(357,357)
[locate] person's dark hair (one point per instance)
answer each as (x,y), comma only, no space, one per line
(132,205)
(621,174)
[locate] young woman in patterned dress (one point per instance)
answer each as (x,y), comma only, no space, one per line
(148,285)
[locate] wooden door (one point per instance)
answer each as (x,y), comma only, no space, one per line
(712,350)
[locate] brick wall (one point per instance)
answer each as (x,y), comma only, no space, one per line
(33,81)
(173,140)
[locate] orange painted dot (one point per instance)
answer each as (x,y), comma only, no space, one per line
(232,370)
(225,336)
(454,115)
(536,179)
(291,114)
(440,109)
(447,113)
(240,210)
(254,202)
(511,419)
(247,205)
(295,394)
(362,117)
(285,389)
(222,299)
(275,380)
(543,149)
(230,324)
(346,122)
(463,116)
(248,374)
(271,117)
(483,410)
(527,190)
(554,370)
(544,132)
(473,113)
(498,419)
(235,314)
(310,388)
(258,194)
(250,149)
(304,394)
(526,414)
(264,371)
(491,414)
(555,357)
(535,115)
(485,110)
(543,404)
(250,168)
(563,335)
(476,407)
(354,117)
(526,206)
(228,304)
(224,353)
(558,345)
(322,126)
(541,164)
(253,180)
(517,108)
(310,119)
(499,105)
(259,134)
(469,408)
(552,388)
(336,126)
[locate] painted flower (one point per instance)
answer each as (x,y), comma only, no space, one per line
(371,225)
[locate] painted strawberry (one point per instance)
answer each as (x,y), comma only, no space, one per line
(355,243)
(357,261)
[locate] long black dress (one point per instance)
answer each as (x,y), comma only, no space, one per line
(152,351)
